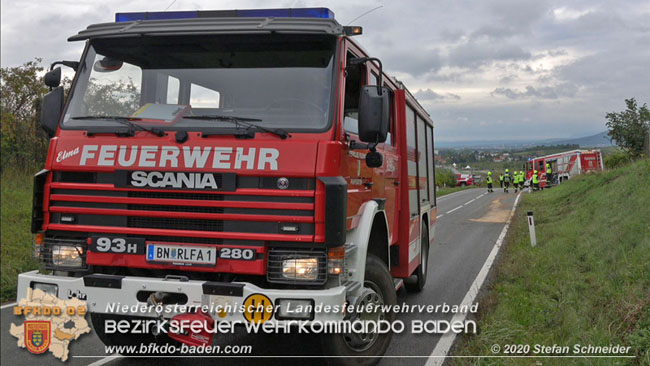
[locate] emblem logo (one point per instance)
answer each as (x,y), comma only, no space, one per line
(37,336)
(283,183)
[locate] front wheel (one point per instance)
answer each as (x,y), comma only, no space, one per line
(378,289)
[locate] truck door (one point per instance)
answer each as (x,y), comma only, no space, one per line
(386,177)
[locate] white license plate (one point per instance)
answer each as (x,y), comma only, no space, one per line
(182,254)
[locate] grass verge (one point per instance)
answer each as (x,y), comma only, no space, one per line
(16,238)
(588,280)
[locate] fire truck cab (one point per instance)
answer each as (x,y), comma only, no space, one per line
(232,160)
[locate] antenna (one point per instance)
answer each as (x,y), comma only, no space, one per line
(363,14)
(170,5)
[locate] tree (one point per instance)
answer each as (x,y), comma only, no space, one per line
(629,128)
(23,141)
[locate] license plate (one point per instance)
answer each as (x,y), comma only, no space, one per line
(184,255)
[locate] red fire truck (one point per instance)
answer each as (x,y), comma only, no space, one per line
(463,180)
(233,160)
(564,165)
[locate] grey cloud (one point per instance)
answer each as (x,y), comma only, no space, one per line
(474,54)
(429,95)
(414,62)
(544,92)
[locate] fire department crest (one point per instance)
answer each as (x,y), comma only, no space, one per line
(37,336)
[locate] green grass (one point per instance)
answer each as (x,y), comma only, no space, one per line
(16,239)
(587,281)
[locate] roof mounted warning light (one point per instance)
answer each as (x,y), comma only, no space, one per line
(323,13)
(353,30)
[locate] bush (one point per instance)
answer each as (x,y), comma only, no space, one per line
(617,160)
(445,177)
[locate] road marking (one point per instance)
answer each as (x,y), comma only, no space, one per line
(468,202)
(439,216)
(450,211)
(7,305)
(105,360)
(449,195)
(437,357)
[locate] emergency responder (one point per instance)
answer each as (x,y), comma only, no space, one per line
(515,180)
(522,179)
(535,181)
(549,174)
(500,181)
(506,181)
(489,182)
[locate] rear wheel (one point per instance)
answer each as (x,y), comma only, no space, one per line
(423,269)
(378,289)
(463,184)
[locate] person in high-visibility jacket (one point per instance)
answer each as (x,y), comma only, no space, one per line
(549,174)
(506,181)
(522,179)
(515,180)
(500,180)
(489,182)
(535,181)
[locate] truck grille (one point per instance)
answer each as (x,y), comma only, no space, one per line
(89,202)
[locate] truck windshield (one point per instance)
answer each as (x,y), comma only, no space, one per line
(280,81)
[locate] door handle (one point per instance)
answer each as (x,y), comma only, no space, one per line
(396,182)
(368,184)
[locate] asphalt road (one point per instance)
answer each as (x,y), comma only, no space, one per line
(469,223)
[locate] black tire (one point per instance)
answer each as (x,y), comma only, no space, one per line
(423,269)
(379,279)
(463,184)
(126,339)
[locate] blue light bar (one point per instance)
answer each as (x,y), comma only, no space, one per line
(323,13)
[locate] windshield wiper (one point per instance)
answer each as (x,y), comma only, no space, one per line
(127,122)
(244,121)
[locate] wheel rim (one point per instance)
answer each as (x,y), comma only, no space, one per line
(360,342)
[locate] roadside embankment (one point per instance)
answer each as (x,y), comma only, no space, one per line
(16,239)
(586,283)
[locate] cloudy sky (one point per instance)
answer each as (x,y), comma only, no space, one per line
(485,70)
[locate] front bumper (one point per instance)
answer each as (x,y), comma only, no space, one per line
(120,295)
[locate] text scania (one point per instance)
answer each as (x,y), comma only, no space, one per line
(174,180)
(186,157)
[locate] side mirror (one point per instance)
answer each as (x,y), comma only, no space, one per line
(51,110)
(374,112)
(53,78)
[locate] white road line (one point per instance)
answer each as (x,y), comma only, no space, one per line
(439,216)
(450,211)
(7,305)
(105,360)
(449,195)
(468,202)
(447,340)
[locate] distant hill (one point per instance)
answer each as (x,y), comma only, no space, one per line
(597,140)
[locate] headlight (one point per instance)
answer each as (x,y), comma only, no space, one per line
(67,256)
(300,268)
